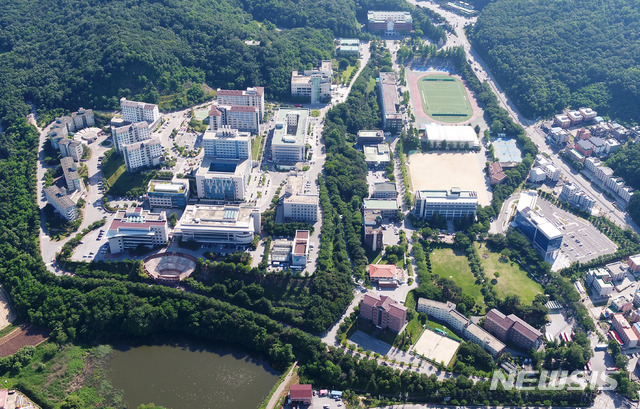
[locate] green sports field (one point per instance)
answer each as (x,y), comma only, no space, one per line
(444,98)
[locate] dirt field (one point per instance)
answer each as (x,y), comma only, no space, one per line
(25,335)
(436,347)
(6,313)
(444,170)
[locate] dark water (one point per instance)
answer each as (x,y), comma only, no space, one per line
(180,375)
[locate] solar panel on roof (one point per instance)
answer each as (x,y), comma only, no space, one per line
(230,214)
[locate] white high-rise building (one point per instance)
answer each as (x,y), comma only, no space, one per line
(289,136)
(142,154)
(313,84)
(130,133)
(133,111)
(300,204)
(242,118)
(252,96)
(227,143)
(132,228)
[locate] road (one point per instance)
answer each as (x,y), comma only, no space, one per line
(532,128)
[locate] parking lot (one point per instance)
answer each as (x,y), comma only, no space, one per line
(581,241)
(370,343)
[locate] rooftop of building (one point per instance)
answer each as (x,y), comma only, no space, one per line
(135,104)
(215,166)
(376,153)
(249,91)
(389,92)
(380,204)
(437,304)
(136,219)
(226,216)
(371,134)
(225,133)
(283,134)
(168,186)
(386,303)
(381,270)
(59,196)
(393,15)
(301,392)
(453,194)
(384,187)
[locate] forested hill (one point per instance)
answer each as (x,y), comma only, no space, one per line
(69,53)
(549,54)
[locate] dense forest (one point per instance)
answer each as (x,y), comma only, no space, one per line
(70,54)
(551,54)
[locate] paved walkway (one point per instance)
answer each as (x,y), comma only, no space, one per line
(285,382)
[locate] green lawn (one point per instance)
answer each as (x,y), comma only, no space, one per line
(512,280)
(445,101)
(256,147)
(347,73)
(447,264)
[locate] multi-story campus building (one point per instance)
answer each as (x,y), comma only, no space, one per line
(385,275)
(132,228)
(300,249)
(242,118)
(219,224)
(251,97)
(289,135)
(129,134)
(450,136)
(81,119)
(70,173)
(313,84)
(622,327)
(370,137)
(348,46)
(143,154)
(372,229)
(447,313)
(390,22)
(383,312)
(168,194)
(546,237)
(227,143)
(388,208)
(70,148)
(376,155)
(223,179)
(300,204)
(450,204)
(388,88)
(384,190)
(600,282)
(512,328)
(61,202)
(574,195)
(133,111)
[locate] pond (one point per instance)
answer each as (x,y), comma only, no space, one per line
(179,375)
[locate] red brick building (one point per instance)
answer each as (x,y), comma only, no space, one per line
(383,312)
(512,328)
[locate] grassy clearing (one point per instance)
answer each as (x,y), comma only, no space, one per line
(347,74)
(68,373)
(447,264)
(256,147)
(371,85)
(512,279)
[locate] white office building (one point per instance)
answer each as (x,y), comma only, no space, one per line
(129,134)
(450,136)
(143,154)
(252,97)
(313,84)
(136,227)
(70,148)
(133,111)
(219,224)
(450,204)
(289,135)
(242,118)
(223,179)
(168,193)
(227,143)
(71,177)
(300,203)
(61,202)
